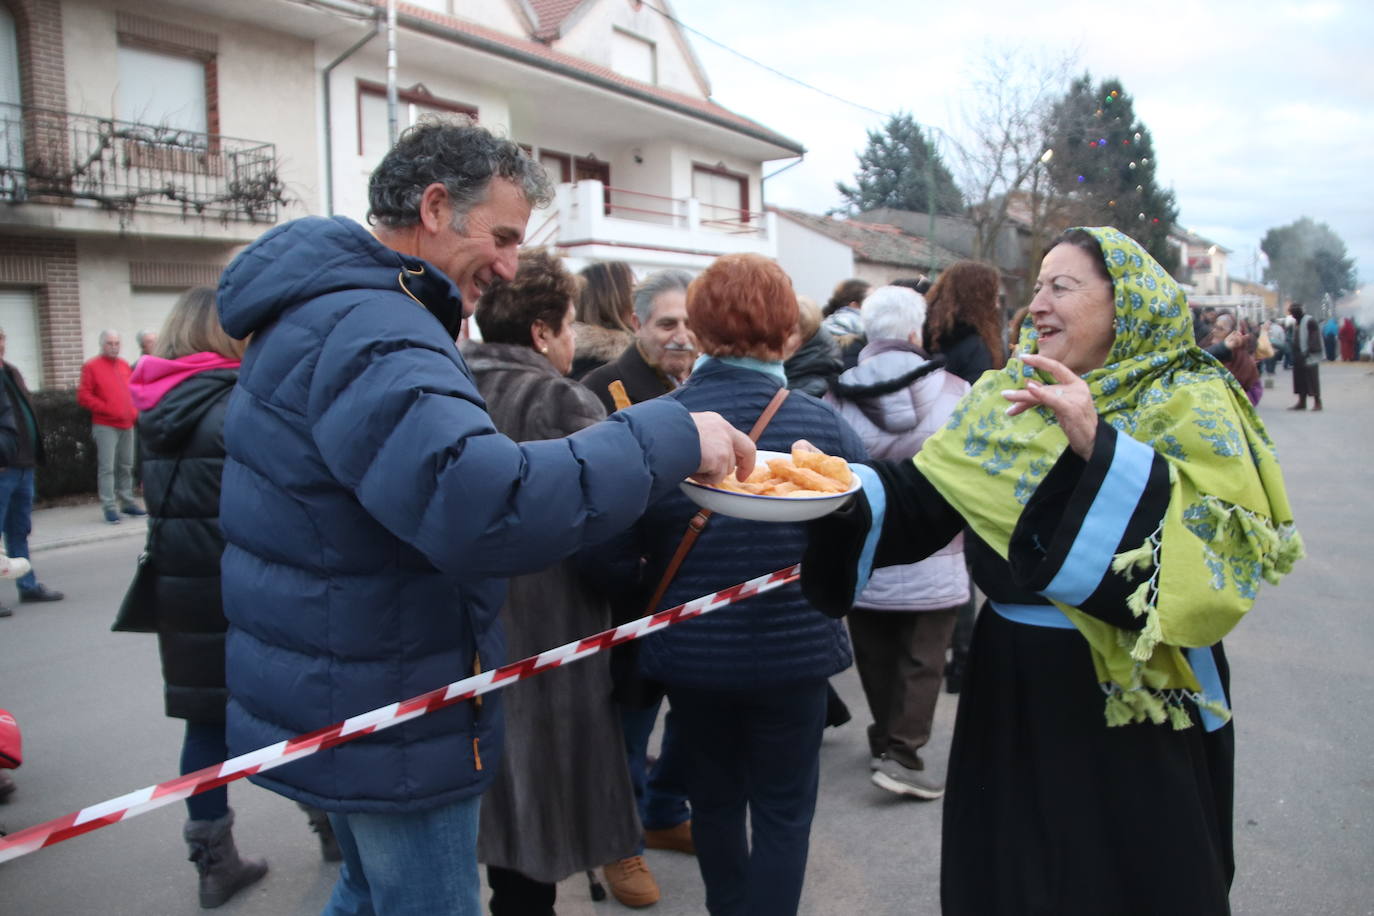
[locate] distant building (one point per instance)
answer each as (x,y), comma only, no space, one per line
(1010,251)
(142,144)
(820,251)
(1201,263)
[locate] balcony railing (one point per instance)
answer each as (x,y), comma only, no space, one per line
(61,157)
(588,214)
(682,212)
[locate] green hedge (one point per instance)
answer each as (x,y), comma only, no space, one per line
(70,468)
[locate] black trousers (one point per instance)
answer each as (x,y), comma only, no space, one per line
(754,770)
(513,894)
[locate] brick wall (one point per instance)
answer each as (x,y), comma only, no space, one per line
(42,64)
(52,262)
(42,80)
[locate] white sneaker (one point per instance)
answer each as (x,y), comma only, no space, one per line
(902,780)
(13,567)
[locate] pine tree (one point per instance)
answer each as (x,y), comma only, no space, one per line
(1104,160)
(1308,260)
(895,170)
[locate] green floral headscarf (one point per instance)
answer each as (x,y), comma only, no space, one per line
(1228,524)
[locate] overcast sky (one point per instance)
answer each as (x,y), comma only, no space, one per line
(1261,111)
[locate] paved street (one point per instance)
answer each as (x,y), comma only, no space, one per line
(91,708)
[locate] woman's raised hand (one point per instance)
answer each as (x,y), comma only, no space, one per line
(1069,398)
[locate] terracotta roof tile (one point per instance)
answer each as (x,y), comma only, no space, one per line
(550,14)
(877,242)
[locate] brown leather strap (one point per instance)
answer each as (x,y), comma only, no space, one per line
(698,522)
(767,416)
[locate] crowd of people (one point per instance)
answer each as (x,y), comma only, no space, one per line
(377,460)
(1297,340)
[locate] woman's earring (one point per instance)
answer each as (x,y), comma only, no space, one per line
(543,349)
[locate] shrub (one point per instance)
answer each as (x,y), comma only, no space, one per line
(70,468)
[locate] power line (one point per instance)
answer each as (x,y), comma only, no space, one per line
(724,47)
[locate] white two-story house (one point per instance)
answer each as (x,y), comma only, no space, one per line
(143,142)
(606,94)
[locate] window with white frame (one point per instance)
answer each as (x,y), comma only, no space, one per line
(23,347)
(634,57)
(163,90)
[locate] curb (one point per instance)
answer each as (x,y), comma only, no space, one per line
(76,540)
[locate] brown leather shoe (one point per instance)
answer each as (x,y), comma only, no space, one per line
(1317,404)
(631,882)
(675,839)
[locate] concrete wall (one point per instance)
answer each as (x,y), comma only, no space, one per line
(590,37)
(882,274)
(494,14)
(351,169)
(110,300)
(266,83)
(815,262)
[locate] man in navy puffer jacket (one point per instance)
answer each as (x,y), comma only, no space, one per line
(371,510)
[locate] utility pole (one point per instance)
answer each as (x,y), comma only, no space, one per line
(930,201)
(392,129)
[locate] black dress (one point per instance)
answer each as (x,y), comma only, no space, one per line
(1048,810)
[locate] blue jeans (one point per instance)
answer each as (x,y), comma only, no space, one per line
(753,759)
(203,746)
(418,864)
(660,792)
(16,516)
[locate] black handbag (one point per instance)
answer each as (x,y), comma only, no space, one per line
(138,611)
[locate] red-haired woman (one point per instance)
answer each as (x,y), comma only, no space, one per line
(748,682)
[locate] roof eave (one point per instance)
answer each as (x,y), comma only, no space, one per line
(457,36)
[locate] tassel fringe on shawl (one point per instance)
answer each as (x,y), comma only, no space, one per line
(1228,525)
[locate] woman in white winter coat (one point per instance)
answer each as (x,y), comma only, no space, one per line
(895,398)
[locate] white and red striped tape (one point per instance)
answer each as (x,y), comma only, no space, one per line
(174,790)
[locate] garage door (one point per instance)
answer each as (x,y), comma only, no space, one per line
(23,349)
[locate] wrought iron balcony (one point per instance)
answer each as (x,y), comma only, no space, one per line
(61,157)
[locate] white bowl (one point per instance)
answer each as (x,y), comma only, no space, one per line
(768,508)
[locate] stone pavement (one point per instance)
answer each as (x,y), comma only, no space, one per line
(91,703)
(68,526)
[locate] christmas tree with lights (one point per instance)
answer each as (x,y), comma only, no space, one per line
(1103,159)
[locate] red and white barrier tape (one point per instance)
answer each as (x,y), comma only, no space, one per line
(174,790)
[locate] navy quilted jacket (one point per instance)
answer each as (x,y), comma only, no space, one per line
(371,513)
(770,639)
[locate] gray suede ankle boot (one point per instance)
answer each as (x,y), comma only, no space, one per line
(222,873)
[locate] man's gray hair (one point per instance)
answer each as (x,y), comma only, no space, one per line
(458,154)
(144,335)
(893,313)
(655,285)
(106,335)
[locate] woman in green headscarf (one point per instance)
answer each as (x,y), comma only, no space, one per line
(1125,503)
